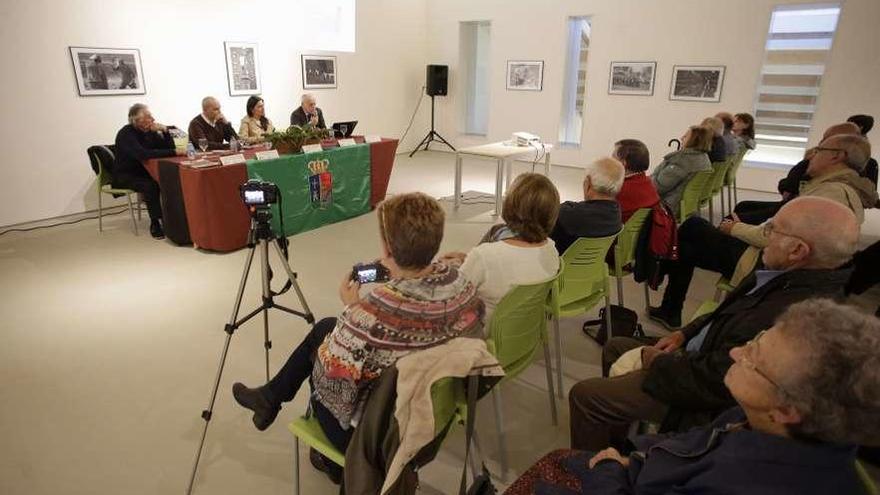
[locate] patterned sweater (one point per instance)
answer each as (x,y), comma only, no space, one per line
(395,319)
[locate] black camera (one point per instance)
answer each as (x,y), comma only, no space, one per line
(365,273)
(258,194)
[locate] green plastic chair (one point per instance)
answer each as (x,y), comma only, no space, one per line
(722,287)
(447,396)
(867,481)
(582,283)
(714,186)
(517,330)
(104,186)
(730,178)
(625,249)
(691,197)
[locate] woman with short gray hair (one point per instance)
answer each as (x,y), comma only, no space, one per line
(808,391)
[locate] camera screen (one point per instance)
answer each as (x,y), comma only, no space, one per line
(367,275)
(253,197)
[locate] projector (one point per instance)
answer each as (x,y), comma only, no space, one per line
(526,139)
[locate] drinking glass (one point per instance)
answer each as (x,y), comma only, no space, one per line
(203,144)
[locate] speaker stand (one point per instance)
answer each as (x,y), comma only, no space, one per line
(432,135)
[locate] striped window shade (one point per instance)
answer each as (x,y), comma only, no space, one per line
(797,50)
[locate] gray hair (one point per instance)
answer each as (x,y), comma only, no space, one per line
(307,96)
(606,175)
(208,100)
(837,389)
(715,124)
(134,112)
(857,148)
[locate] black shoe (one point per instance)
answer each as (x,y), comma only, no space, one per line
(253,399)
(671,320)
(156,230)
(326,466)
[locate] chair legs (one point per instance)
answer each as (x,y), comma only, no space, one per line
(547,359)
(647,296)
(558,356)
(499,427)
(295,465)
(100,212)
(608,314)
(619,290)
(131,212)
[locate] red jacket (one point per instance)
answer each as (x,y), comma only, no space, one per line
(637,192)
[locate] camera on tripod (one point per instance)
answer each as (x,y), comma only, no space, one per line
(258,194)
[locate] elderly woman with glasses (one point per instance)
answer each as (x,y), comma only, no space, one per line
(808,391)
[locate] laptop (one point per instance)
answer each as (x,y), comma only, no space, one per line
(344,129)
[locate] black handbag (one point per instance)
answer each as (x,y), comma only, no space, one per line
(482,484)
(624,323)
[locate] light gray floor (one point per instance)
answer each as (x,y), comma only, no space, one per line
(110,343)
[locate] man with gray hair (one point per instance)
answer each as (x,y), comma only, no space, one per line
(142,139)
(599,214)
(308,113)
(679,380)
(211,126)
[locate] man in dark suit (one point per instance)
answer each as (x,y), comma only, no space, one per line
(308,113)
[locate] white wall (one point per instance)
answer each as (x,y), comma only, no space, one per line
(709,32)
(45,171)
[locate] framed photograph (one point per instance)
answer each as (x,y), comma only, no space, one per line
(632,78)
(318,71)
(697,82)
(525,75)
(107,71)
(242,68)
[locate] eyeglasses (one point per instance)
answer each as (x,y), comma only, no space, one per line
(769,228)
(819,148)
(747,362)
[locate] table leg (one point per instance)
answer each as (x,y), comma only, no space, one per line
(499,181)
(547,164)
(508,175)
(457,180)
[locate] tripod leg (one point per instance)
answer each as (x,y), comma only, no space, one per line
(230,329)
(267,300)
(292,276)
(440,138)
(424,142)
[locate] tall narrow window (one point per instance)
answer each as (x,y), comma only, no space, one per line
(475,67)
(575,84)
(797,49)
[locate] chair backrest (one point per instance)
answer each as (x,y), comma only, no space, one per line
(584,270)
(625,248)
(693,193)
(518,327)
(102,159)
(738,159)
(720,174)
(448,398)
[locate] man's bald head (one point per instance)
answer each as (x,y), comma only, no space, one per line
(842,128)
(604,176)
(830,229)
(209,101)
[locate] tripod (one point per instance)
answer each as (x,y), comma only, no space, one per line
(261,236)
(429,138)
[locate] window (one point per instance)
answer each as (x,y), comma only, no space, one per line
(575,85)
(475,67)
(797,49)
(328,25)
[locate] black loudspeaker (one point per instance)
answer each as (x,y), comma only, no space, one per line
(436,80)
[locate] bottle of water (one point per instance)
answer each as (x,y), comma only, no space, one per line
(190,151)
(233,145)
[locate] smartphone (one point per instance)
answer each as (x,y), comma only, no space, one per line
(366,273)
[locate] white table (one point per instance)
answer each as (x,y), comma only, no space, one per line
(503,154)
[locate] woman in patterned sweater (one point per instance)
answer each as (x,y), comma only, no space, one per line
(424,304)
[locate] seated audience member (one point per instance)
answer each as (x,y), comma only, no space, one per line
(805,396)
(755,212)
(680,380)
(732,248)
(308,113)
(529,212)
(637,191)
(729,140)
(718,152)
(255,123)
(677,168)
(865,124)
(424,304)
(212,126)
(142,139)
(598,215)
(744,131)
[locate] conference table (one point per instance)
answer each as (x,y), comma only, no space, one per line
(201,205)
(504,154)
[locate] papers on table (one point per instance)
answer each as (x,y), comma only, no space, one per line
(232,159)
(312,148)
(347,142)
(267,155)
(373,139)
(200,163)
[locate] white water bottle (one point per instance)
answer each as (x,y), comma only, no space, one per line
(190,151)
(233,144)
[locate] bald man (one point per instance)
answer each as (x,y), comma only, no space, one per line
(599,214)
(212,126)
(679,380)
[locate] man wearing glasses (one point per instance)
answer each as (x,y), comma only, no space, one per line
(680,380)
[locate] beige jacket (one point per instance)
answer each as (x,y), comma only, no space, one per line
(250,131)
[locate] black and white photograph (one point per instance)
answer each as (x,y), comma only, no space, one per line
(632,78)
(107,71)
(697,82)
(525,75)
(319,72)
(242,68)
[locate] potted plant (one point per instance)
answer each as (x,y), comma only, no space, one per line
(291,140)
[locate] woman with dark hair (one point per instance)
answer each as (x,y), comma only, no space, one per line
(744,130)
(255,124)
(637,191)
(677,168)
